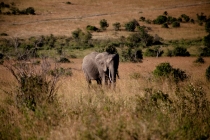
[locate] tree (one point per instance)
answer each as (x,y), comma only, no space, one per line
(160,19)
(103,24)
(116,26)
(131,26)
(207,27)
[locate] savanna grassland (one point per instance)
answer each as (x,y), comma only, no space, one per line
(43,92)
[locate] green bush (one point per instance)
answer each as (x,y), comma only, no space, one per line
(116,26)
(208,73)
(185,17)
(163,69)
(199,60)
(131,26)
(160,19)
(104,24)
(165,25)
(205,51)
(91,28)
(64,60)
(132,55)
(206,40)
(166,70)
(180,51)
(207,27)
(176,24)
(150,52)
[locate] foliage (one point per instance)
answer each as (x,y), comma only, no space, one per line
(64,60)
(132,55)
(116,26)
(165,25)
(146,39)
(206,40)
(160,19)
(207,27)
(91,28)
(176,24)
(201,17)
(205,51)
(131,25)
(104,24)
(166,70)
(180,51)
(200,60)
(208,73)
(156,52)
(185,17)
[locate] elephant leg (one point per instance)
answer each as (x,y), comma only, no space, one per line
(98,81)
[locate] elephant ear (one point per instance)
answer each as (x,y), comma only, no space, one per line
(100,61)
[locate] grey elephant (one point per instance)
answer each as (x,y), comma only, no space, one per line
(102,67)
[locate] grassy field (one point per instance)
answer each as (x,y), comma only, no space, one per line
(141,106)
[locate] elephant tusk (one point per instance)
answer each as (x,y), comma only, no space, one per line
(110,79)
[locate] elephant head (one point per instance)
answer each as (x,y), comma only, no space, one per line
(107,66)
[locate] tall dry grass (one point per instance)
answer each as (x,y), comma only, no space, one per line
(141,107)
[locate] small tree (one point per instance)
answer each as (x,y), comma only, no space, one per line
(180,51)
(185,17)
(207,27)
(131,26)
(160,19)
(103,24)
(176,24)
(116,26)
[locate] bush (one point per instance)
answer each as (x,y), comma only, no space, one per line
(205,51)
(166,70)
(199,60)
(91,28)
(176,24)
(185,17)
(165,25)
(207,27)
(116,26)
(150,52)
(103,24)
(160,19)
(30,10)
(64,60)
(131,26)
(180,51)
(208,74)
(131,55)
(163,69)
(206,40)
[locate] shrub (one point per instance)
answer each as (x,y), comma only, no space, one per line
(180,51)
(142,18)
(150,52)
(132,55)
(131,26)
(208,73)
(68,2)
(160,19)
(166,70)
(163,69)
(185,17)
(207,27)
(91,28)
(176,24)
(201,17)
(116,26)
(199,60)
(206,40)
(64,60)
(103,24)
(165,25)
(205,51)
(171,19)
(30,10)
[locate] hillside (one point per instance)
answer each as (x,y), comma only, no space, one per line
(59,18)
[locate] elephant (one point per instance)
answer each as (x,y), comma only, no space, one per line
(102,67)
